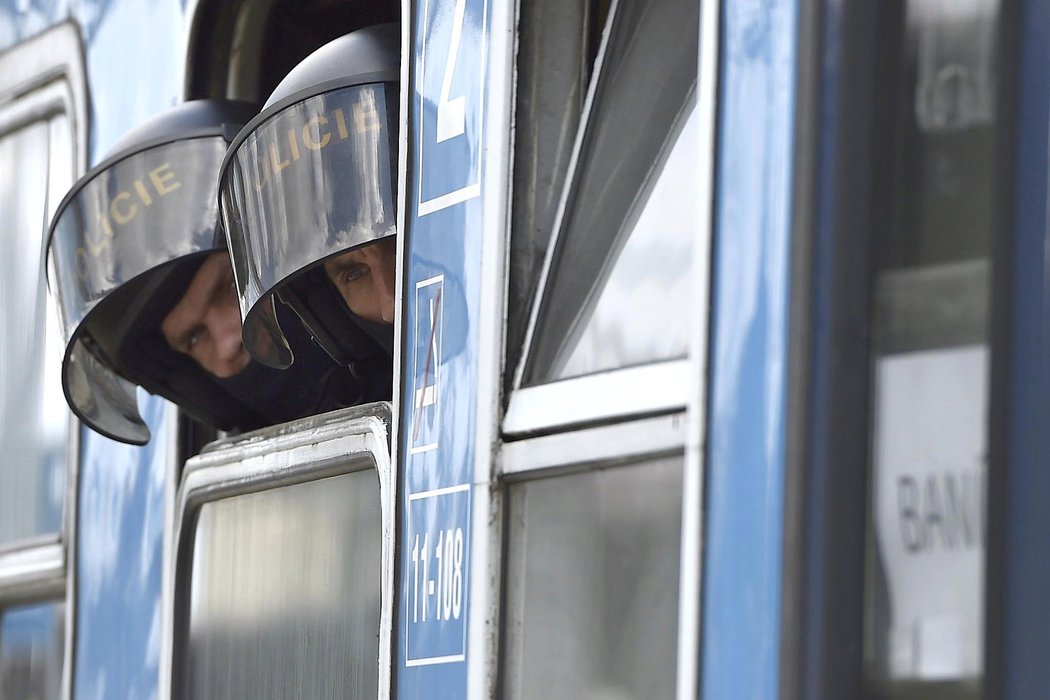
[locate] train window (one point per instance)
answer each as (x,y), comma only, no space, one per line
(615,288)
(278,571)
(617,283)
(36,167)
(287,579)
(43,129)
(930,350)
(31,650)
(592,566)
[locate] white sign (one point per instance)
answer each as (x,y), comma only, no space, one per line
(930,448)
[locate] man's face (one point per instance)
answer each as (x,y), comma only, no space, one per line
(206,323)
(365,279)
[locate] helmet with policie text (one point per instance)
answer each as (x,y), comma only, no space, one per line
(310,178)
(125,245)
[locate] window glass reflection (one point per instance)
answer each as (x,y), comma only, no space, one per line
(34,420)
(638,314)
(617,291)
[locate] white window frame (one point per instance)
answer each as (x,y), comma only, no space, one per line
(41,78)
(656,387)
(341,442)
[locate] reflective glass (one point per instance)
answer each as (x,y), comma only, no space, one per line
(593,583)
(285,593)
(924,596)
(557,43)
(34,420)
(617,290)
(31,651)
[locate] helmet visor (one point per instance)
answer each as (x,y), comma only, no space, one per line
(122,220)
(311,180)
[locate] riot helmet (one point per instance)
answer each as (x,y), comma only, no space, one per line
(312,177)
(124,246)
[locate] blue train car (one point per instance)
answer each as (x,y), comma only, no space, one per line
(721,366)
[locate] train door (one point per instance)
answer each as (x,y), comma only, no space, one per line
(43,141)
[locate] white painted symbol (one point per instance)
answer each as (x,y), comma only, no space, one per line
(427,396)
(452,114)
(459,153)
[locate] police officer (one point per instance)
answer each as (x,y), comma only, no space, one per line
(307,195)
(146,290)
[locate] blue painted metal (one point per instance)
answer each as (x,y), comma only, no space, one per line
(119,562)
(1020,575)
(441,305)
(744,526)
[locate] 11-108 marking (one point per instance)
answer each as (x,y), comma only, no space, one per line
(447,588)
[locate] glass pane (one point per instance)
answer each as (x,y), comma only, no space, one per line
(617,294)
(593,583)
(34,420)
(285,593)
(557,42)
(31,651)
(924,581)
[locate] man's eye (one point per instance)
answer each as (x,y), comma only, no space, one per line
(194,337)
(353,274)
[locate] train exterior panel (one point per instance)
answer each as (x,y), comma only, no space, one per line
(719,365)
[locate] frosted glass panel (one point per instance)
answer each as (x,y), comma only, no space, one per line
(285,593)
(34,419)
(593,583)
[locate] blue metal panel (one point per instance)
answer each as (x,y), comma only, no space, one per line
(439,378)
(119,563)
(742,564)
(1021,575)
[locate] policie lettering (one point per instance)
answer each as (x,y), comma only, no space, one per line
(315,135)
(126,205)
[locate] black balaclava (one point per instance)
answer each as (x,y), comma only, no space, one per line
(313,384)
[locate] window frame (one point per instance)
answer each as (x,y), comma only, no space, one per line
(635,440)
(655,387)
(555,456)
(341,442)
(633,413)
(40,78)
